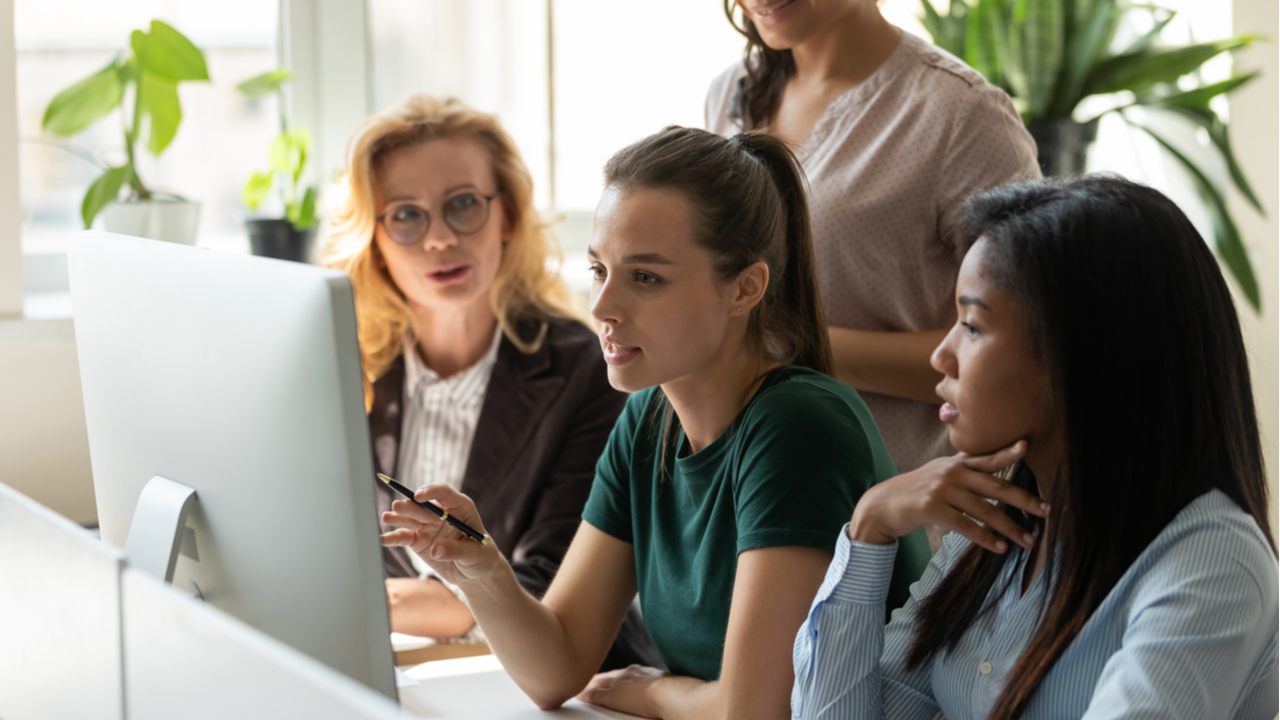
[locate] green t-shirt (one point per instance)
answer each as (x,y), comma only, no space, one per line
(788,471)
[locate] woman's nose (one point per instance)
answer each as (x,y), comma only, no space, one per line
(603,307)
(439,236)
(943,358)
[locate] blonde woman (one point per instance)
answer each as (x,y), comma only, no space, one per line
(477,373)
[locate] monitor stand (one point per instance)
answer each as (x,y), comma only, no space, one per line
(159,532)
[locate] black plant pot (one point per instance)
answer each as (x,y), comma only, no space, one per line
(1062,145)
(279,239)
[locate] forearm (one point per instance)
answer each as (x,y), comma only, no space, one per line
(426,608)
(675,697)
(888,363)
(529,639)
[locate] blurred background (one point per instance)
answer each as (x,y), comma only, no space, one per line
(571,80)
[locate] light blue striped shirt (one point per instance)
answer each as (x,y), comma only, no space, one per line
(1189,631)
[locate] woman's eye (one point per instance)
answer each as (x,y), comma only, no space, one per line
(969,330)
(407,214)
(645,278)
(596,271)
(464,202)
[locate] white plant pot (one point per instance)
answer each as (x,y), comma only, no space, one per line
(169,220)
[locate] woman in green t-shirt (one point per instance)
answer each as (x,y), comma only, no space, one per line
(732,468)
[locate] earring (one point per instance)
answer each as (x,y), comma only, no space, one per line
(739,308)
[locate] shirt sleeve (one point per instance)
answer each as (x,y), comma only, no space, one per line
(848,664)
(1193,633)
(988,147)
(608,507)
(805,461)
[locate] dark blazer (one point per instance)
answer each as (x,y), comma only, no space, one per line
(545,421)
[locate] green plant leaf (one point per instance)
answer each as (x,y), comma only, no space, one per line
(159,102)
(1143,69)
(256,189)
(981,50)
(303,214)
(77,107)
(1218,135)
(302,151)
(1228,243)
(1089,43)
(1150,36)
(102,191)
(270,82)
(1198,98)
(169,54)
(1042,53)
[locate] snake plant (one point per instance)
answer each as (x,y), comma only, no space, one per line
(1050,55)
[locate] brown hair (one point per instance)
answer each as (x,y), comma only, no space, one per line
(524,285)
(746,198)
(758,95)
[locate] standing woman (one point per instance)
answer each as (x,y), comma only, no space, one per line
(1098,348)
(723,485)
(477,373)
(893,134)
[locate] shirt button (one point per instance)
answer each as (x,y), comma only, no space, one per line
(933,57)
(985,668)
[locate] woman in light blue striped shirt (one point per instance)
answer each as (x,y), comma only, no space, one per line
(1126,568)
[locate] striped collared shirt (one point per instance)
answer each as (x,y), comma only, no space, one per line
(1189,631)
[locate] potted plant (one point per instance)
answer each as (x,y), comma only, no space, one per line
(287,238)
(149,74)
(1050,55)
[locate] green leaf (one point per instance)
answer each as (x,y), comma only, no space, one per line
(159,102)
(1217,130)
(102,191)
(77,107)
(169,54)
(303,214)
(1147,39)
(270,82)
(981,50)
(1042,53)
(1088,45)
(256,189)
(302,150)
(1228,243)
(1198,98)
(1143,69)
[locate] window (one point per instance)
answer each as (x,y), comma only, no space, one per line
(223,137)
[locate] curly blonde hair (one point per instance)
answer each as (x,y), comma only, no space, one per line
(524,285)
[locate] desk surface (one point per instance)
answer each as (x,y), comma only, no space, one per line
(479,688)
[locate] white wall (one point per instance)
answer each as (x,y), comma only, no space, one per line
(1255,133)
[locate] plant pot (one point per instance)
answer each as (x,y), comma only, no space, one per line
(174,221)
(1061,145)
(279,239)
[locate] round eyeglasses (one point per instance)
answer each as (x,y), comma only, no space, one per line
(465,214)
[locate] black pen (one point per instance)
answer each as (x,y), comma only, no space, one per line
(438,511)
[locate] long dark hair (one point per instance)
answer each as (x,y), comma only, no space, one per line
(746,199)
(757,96)
(1128,312)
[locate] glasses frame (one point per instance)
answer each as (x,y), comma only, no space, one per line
(426,228)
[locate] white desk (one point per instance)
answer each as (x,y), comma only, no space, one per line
(479,688)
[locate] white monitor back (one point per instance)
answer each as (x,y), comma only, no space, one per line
(184,659)
(59,616)
(239,377)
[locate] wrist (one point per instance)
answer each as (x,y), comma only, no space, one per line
(863,528)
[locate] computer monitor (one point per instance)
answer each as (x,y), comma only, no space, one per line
(238,377)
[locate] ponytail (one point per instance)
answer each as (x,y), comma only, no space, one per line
(796,312)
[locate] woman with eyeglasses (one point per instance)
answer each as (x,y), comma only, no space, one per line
(478,374)
(732,468)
